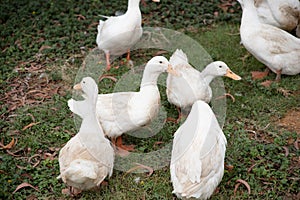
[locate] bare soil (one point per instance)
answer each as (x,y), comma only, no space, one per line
(291,121)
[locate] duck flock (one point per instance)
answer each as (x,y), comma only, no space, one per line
(269,31)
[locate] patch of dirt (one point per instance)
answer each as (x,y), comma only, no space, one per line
(291,121)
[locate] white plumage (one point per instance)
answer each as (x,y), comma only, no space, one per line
(284,14)
(191,85)
(277,49)
(197,162)
(88,157)
(118,34)
(124,111)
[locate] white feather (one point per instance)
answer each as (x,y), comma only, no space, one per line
(192,85)
(88,157)
(197,162)
(119,33)
(283,14)
(277,49)
(124,111)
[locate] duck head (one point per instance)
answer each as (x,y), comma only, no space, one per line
(160,64)
(219,68)
(89,88)
(154,68)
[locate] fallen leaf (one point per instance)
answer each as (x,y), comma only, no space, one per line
(27,175)
(31,197)
(44,47)
(228,166)
(13,153)
(266,83)
(226,95)
(285,92)
(158,53)
(157,143)
(286,151)
(225,6)
(240,181)
(252,166)
(29,125)
(9,145)
(22,185)
(258,75)
(296,144)
(20,167)
(111,77)
(140,166)
(19,44)
(35,160)
(49,156)
(80,17)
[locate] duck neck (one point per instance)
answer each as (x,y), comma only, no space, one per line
(133,4)
(149,78)
(208,77)
(249,15)
(90,127)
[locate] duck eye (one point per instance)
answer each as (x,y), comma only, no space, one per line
(83,82)
(160,62)
(220,66)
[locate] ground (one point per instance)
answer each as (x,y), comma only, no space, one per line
(291,121)
(44,43)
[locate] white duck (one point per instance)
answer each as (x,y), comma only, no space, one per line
(88,157)
(124,111)
(277,49)
(283,14)
(191,85)
(118,34)
(198,152)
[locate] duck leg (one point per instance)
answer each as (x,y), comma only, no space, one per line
(107,56)
(71,191)
(278,75)
(260,75)
(180,115)
(267,83)
(128,55)
(119,144)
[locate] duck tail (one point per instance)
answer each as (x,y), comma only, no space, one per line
(178,57)
(100,27)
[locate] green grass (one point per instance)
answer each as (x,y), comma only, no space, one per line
(254,140)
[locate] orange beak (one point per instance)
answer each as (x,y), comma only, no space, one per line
(232,75)
(77,87)
(172,71)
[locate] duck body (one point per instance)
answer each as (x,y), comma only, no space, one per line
(277,49)
(184,90)
(192,85)
(87,158)
(124,111)
(283,14)
(118,34)
(198,152)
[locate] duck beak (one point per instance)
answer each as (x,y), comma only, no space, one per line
(232,75)
(172,71)
(156,0)
(77,87)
